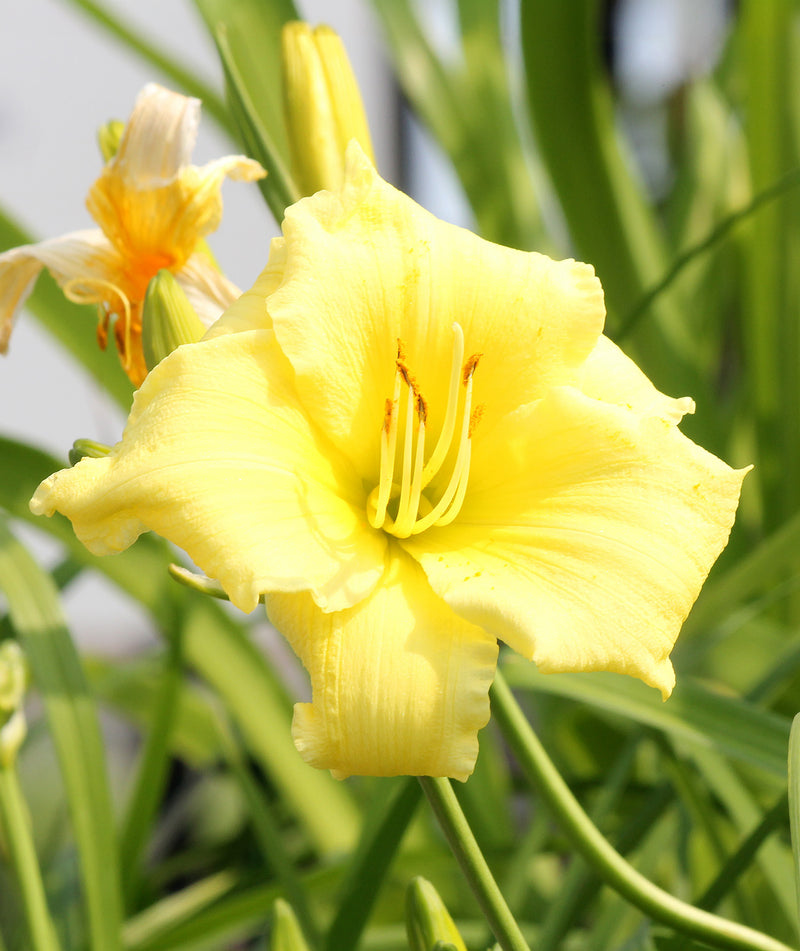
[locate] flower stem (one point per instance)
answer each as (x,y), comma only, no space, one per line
(602,857)
(15,823)
(469,856)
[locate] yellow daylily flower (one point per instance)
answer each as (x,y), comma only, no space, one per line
(415,442)
(154,209)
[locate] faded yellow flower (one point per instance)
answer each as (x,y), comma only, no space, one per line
(154,209)
(415,442)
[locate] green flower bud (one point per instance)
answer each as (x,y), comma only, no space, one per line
(13,676)
(13,682)
(322,105)
(109,137)
(82,448)
(12,736)
(286,932)
(428,923)
(168,319)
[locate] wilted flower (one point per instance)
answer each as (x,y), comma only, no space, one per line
(416,442)
(154,209)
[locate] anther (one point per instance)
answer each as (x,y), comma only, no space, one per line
(470,366)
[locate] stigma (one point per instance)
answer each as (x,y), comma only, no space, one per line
(401,503)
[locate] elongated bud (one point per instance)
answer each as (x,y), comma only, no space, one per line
(286,932)
(82,448)
(109,137)
(428,923)
(13,682)
(322,105)
(168,319)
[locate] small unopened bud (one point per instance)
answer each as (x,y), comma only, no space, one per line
(322,105)
(13,682)
(168,319)
(428,923)
(82,448)
(287,934)
(109,137)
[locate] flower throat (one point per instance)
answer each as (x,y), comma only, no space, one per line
(399,503)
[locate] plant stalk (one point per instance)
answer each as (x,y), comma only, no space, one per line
(469,856)
(599,853)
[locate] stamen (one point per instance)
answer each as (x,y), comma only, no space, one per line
(439,454)
(405,478)
(91,290)
(450,503)
(410,493)
(383,490)
(415,473)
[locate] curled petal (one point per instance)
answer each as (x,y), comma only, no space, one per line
(399,682)
(229,468)
(198,195)
(585,537)
(158,139)
(18,273)
(366,267)
(83,257)
(611,376)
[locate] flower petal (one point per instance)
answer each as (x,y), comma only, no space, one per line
(18,272)
(400,683)
(158,139)
(585,536)
(611,376)
(249,312)
(197,196)
(84,257)
(367,266)
(229,468)
(206,287)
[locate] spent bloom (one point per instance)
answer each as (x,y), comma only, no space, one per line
(154,209)
(414,442)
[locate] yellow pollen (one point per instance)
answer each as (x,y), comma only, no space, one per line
(477,416)
(470,366)
(415,512)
